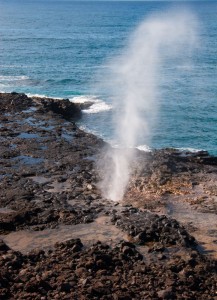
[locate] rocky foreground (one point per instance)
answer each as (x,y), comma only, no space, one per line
(61,240)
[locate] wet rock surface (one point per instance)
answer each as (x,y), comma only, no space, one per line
(48,184)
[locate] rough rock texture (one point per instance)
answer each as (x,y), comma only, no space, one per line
(145,227)
(163,174)
(12,102)
(49,182)
(68,272)
(67,109)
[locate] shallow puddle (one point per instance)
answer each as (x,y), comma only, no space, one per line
(30,120)
(43,147)
(67,136)
(44,125)
(30,110)
(28,160)
(91,158)
(100,230)
(13,146)
(25,135)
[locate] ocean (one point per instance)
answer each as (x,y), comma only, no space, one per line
(63,49)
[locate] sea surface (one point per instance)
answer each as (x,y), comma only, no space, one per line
(63,48)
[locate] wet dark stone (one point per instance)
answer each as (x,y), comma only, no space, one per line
(65,108)
(14,102)
(128,251)
(3,246)
(65,287)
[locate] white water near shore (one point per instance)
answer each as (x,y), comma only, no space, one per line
(97,106)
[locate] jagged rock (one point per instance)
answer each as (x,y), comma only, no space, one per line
(65,107)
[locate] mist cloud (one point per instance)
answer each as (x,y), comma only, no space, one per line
(134,83)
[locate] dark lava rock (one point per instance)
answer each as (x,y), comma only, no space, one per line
(14,102)
(3,246)
(100,272)
(147,227)
(61,189)
(65,107)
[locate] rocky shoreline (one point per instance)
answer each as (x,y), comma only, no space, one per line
(61,240)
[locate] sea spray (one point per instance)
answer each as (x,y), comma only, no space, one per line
(134,81)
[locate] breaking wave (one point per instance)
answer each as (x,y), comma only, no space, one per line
(144,148)
(96,105)
(192,150)
(13,78)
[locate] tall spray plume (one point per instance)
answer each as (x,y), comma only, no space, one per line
(134,83)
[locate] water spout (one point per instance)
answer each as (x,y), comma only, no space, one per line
(134,77)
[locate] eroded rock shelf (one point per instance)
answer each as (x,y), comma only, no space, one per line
(60,239)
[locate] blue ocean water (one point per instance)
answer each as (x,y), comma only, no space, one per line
(59,48)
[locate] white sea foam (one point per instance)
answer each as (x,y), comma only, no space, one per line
(42,96)
(37,95)
(192,150)
(97,105)
(88,130)
(13,78)
(83,99)
(144,148)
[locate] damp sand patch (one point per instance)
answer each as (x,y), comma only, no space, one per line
(204,225)
(100,230)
